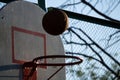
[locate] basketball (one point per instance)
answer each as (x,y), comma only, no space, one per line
(55,22)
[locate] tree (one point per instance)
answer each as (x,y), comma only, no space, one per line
(79,41)
(97,56)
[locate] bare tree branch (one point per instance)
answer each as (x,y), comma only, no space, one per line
(84,55)
(101,59)
(98,46)
(67,5)
(92,7)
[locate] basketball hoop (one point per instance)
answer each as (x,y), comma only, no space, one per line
(34,63)
(57,64)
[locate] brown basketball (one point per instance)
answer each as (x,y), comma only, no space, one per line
(55,22)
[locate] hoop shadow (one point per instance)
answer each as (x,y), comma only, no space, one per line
(11,67)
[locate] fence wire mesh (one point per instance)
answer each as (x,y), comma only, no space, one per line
(98,46)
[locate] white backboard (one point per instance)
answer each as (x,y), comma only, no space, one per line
(22,38)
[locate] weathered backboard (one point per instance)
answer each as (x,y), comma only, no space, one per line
(22,38)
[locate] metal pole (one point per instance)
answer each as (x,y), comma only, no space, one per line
(41,3)
(6,1)
(90,19)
